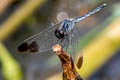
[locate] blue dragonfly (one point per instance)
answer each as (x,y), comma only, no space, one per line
(64,33)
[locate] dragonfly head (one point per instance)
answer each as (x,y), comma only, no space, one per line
(60,33)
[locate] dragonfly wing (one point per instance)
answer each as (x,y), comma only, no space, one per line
(74,48)
(40,42)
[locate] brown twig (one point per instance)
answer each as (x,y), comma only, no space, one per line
(69,71)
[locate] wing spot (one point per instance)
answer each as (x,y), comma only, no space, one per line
(23,47)
(33,47)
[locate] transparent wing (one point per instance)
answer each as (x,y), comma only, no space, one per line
(40,42)
(74,48)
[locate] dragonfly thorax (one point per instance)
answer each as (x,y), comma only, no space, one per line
(68,25)
(64,29)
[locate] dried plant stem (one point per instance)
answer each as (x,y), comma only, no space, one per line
(69,71)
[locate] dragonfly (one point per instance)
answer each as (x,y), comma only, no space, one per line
(64,33)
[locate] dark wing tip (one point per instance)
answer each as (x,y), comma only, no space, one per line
(23,47)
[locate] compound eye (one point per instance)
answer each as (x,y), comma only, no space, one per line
(61,32)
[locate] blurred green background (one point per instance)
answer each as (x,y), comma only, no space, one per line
(99,38)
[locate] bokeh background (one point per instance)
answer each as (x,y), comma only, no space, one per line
(99,38)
